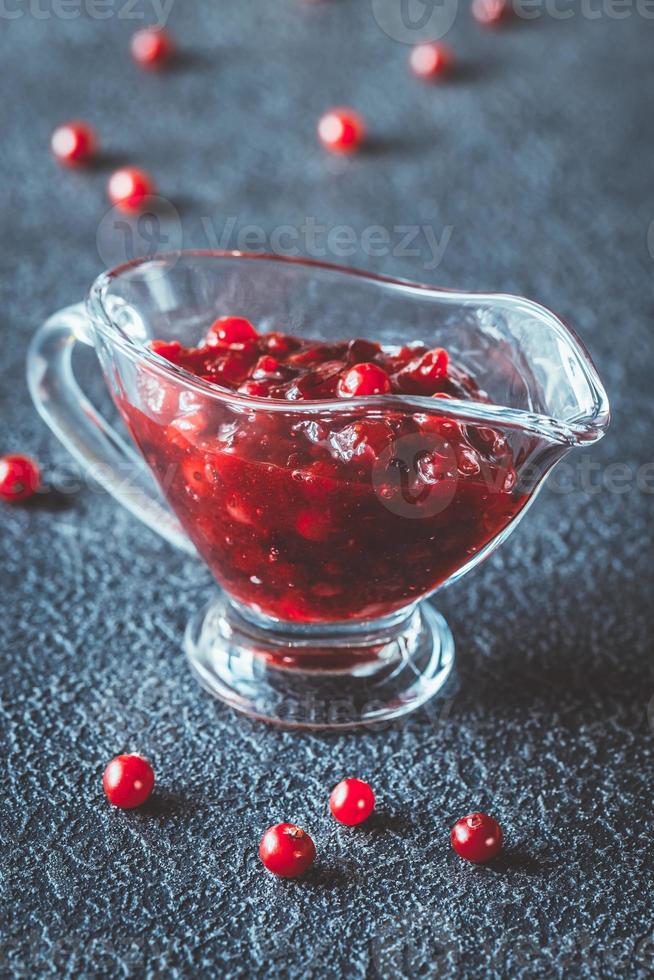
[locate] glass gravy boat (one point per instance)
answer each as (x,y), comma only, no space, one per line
(325,523)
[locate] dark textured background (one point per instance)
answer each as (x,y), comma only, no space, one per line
(538,153)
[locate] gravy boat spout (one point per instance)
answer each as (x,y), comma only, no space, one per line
(324,520)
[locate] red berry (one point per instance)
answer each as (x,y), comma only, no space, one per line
(422,376)
(477,837)
(258,389)
(129,187)
(430,60)
(19,477)
(128,781)
(433,364)
(352,801)
(73,143)
(152,47)
(279,343)
(360,350)
(171,350)
(230,330)
(341,130)
(364,379)
(490,12)
(265,365)
(286,850)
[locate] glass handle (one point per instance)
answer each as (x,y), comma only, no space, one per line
(87,436)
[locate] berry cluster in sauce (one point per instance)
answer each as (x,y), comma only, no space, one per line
(324,513)
(277,365)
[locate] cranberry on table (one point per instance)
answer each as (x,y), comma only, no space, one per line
(73,143)
(129,187)
(430,60)
(19,477)
(228,330)
(287,850)
(151,47)
(477,837)
(341,130)
(364,379)
(489,13)
(352,801)
(128,781)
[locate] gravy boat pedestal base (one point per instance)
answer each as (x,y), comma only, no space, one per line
(324,676)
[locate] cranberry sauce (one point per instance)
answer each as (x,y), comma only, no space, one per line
(322,515)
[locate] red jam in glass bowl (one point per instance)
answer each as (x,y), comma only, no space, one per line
(326,513)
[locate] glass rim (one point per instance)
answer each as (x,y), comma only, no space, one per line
(585,428)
